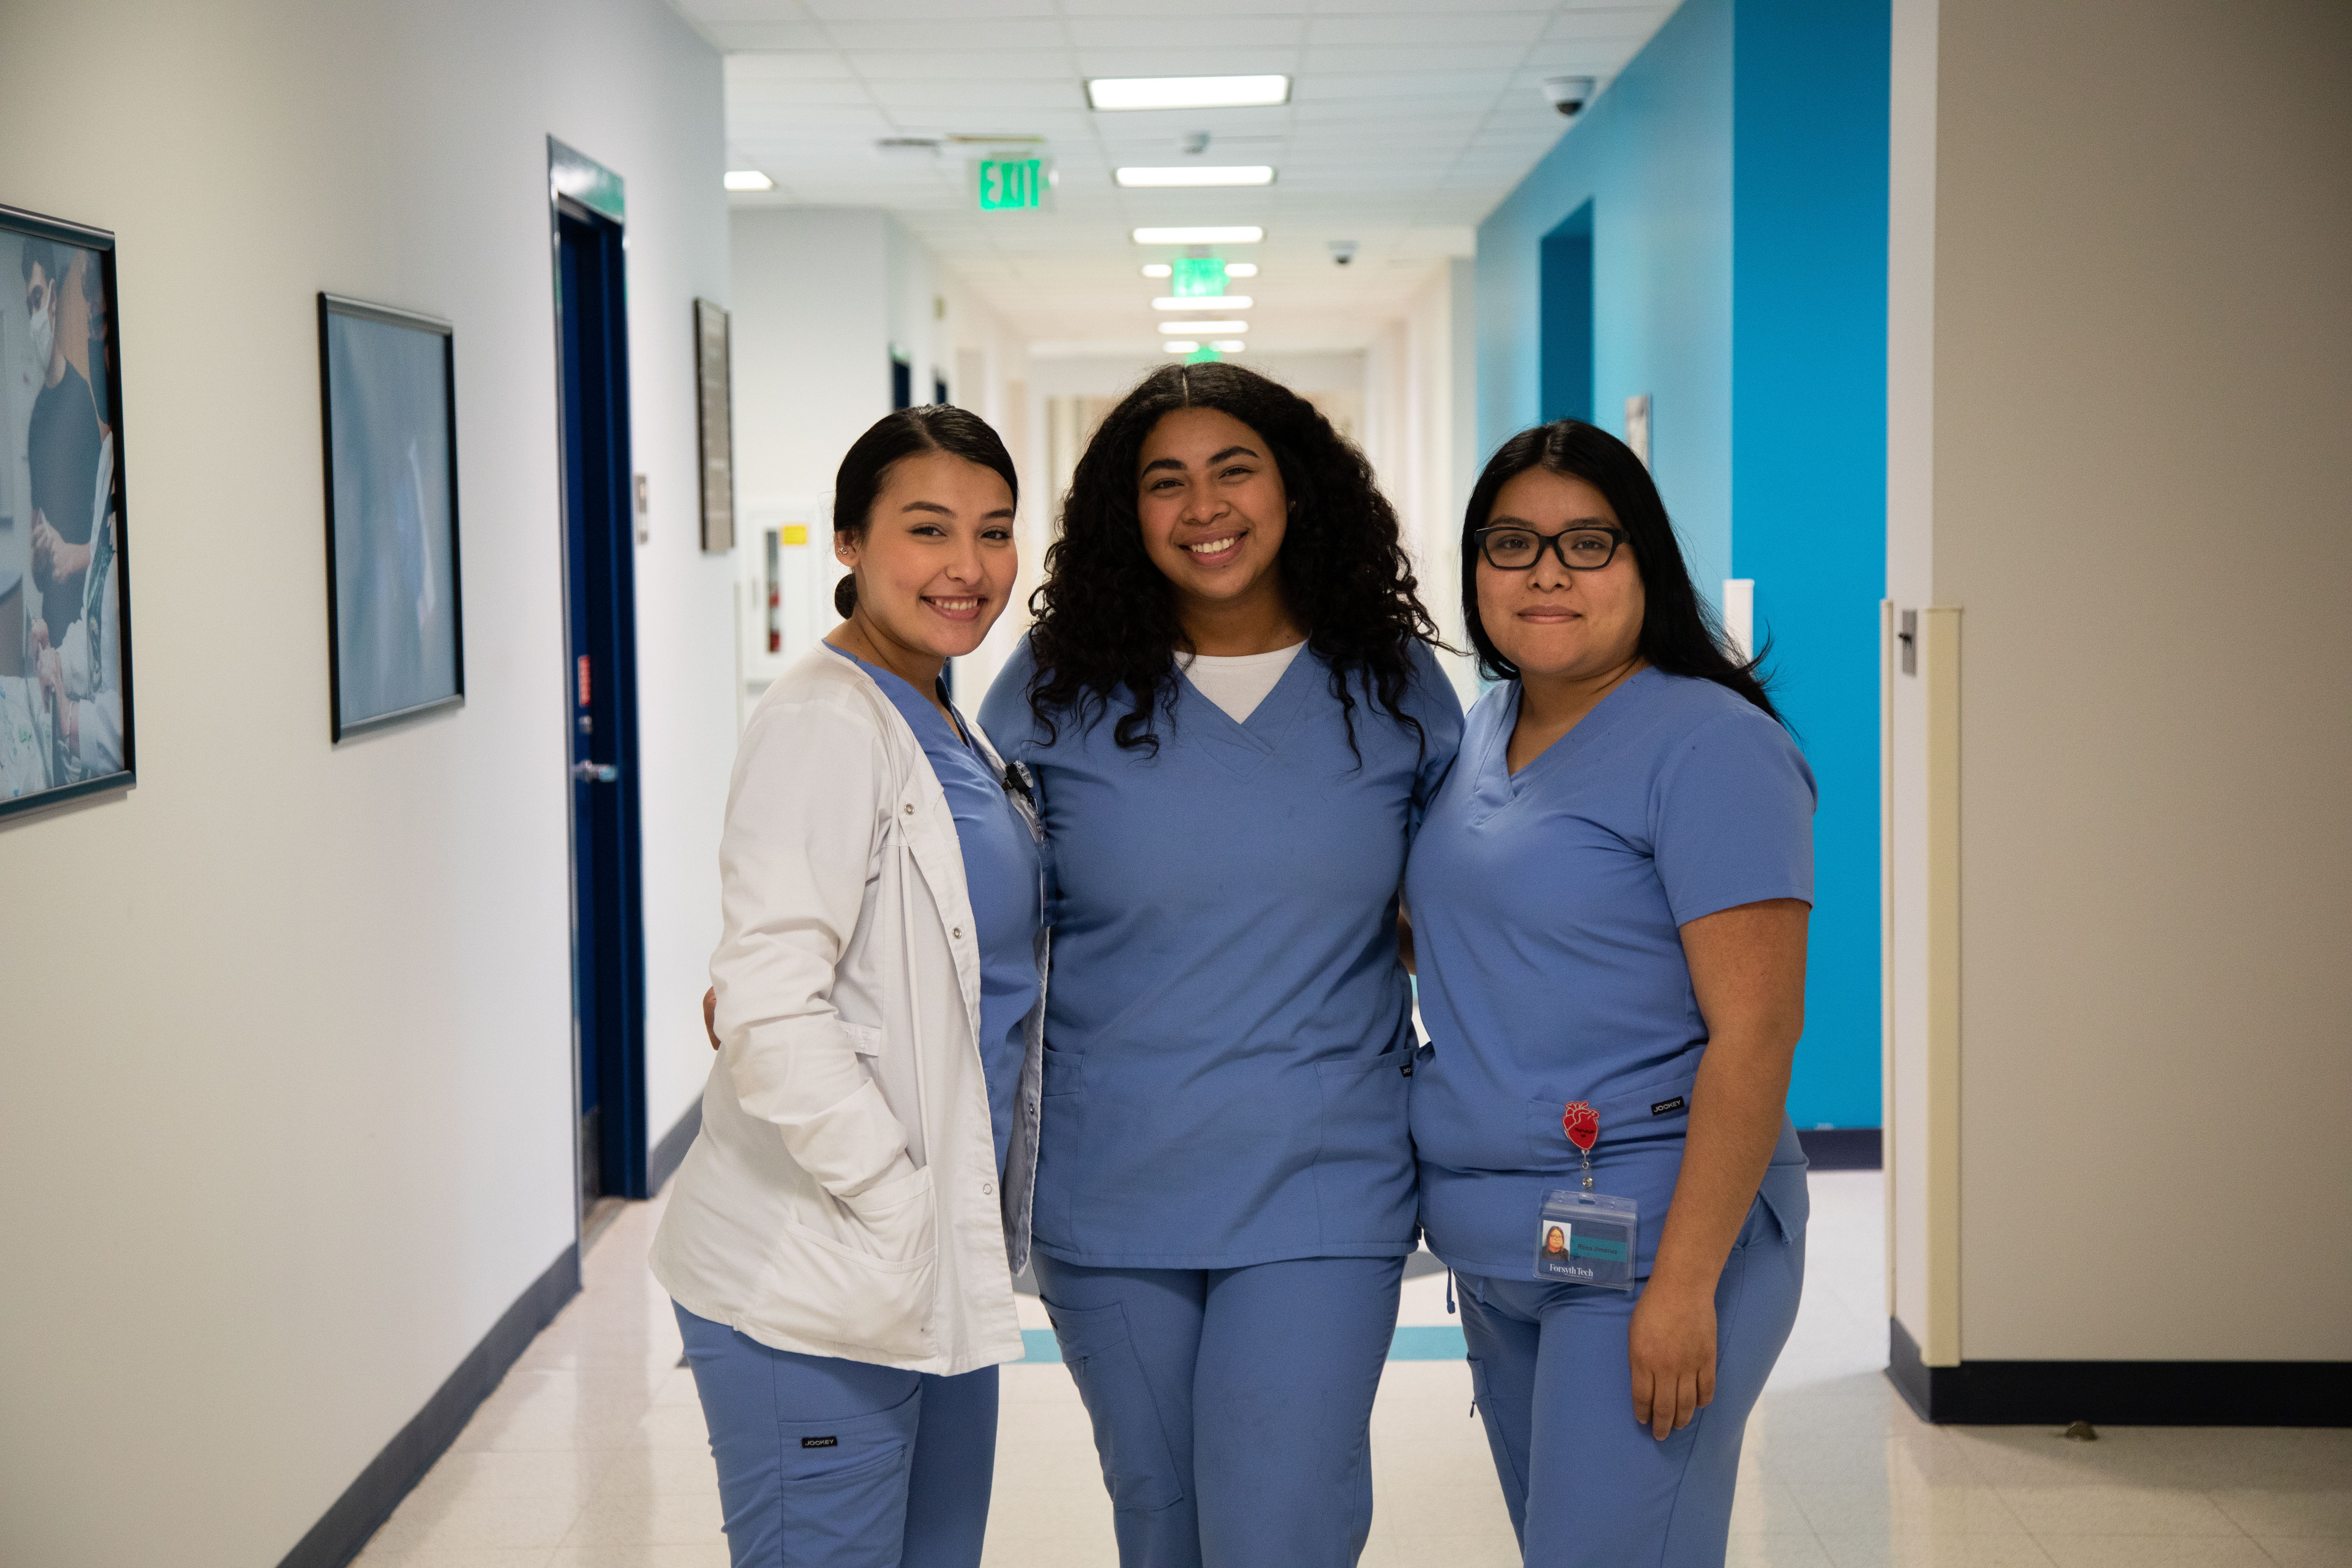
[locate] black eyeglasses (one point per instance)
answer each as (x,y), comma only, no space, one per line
(1587,547)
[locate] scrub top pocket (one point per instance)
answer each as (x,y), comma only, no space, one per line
(1363,1170)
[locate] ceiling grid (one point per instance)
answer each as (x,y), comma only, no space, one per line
(1408,121)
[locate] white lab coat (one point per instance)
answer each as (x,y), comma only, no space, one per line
(842,1198)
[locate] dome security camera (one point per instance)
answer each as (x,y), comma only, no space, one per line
(1343,251)
(1569,94)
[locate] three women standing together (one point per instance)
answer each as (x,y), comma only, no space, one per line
(1213,1135)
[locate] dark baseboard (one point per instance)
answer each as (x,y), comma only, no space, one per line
(2121,1393)
(1841,1148)
(662,1163)
(368,1501)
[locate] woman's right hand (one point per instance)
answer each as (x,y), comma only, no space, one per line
(710,1015)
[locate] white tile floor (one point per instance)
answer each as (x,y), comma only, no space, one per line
(592,1454)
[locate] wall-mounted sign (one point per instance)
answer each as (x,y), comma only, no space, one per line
(1011,184)
(1199,278)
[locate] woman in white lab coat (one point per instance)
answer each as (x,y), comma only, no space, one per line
(841,1238)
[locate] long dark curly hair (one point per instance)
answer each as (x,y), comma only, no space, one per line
(1106,629)
(1679,632)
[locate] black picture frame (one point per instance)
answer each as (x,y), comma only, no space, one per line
(373,686)
(99,756)
(714,419)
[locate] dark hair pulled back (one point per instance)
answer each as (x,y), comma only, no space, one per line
(1679,632)
(1107,627)
(906,433)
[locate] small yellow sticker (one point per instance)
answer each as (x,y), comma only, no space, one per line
(796,533)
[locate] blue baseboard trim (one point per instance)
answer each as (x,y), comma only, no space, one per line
(1841,1148)
(368,1501)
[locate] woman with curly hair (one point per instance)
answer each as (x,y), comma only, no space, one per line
(1235,722)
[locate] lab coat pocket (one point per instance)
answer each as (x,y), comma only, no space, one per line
(1363,1168)
(873,1285)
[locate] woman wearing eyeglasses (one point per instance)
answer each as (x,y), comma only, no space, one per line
(1609,901)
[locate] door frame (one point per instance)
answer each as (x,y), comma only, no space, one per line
(579,181)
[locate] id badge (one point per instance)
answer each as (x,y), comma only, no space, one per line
(1586,1238)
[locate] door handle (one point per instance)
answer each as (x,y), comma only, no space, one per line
(595,773)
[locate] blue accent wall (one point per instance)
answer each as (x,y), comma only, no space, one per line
(1653,156)
(1731,185)
(1808,471)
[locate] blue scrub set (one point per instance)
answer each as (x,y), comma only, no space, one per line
(1225,1178)
(1546,914)
(844,1504)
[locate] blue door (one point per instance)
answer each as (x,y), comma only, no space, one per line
(600,678)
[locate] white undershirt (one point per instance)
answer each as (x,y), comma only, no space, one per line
(1239,683)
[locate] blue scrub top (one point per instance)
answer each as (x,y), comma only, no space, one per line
(1003,874)
(1546,915)
(1228,1026)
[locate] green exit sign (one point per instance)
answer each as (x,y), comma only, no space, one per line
(1199,278)
(1012,185)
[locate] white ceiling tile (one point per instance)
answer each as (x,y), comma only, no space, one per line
(932,36)
(1407,59)
(1176,60)
(1430,26)
(978,66)
(925,10)
(766,34)
(1187,30)
(1632,24)
(966,95)
(752,72)
(1333,88)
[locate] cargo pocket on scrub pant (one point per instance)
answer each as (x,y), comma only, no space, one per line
(1138,1468)
(845,1487)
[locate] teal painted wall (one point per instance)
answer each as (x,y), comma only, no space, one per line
(1808,471)
(1736,173)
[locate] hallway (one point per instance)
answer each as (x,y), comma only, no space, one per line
(592,1454)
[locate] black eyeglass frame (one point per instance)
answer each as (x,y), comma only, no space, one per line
(1617,538)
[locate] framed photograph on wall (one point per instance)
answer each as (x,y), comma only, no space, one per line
(388,390)
(715,416)
(65,575)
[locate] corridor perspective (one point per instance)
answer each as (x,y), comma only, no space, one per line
(492,380)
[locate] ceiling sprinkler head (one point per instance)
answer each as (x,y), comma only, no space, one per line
(1193,143)
(1343,251)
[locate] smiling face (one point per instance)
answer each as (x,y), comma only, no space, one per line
(935,561)
(1213,507)
(1550,621)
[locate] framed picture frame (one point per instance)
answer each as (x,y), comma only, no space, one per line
(66,715)
(388,405)
(715,420)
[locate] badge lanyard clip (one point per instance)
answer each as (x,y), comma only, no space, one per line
(1582,1125)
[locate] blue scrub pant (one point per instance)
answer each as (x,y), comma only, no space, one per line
(1231,1407)
(825,1463)
(1588,1487)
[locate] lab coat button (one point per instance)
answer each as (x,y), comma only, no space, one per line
(956,933)
(910,808)
(988,1189)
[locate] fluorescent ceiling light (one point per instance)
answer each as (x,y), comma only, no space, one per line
(1187,92)
(1240,269)
(1201,302)
(748,180)
(1229,346)
(1205,326)
(1199,174)
(1181,346)
(1243,233)
(1161,269)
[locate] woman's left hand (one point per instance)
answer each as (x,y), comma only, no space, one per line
(1671,1344)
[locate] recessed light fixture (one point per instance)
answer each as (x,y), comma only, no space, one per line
(1187,92)
(1202,303)
(1240,269)
(1198,174)
(1229,346)
(1205,326)
(1161,269)
(748,180)
(1181,346)
(1239,234)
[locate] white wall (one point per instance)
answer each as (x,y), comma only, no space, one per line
(2120,376)
(286,1088)
(825,296)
